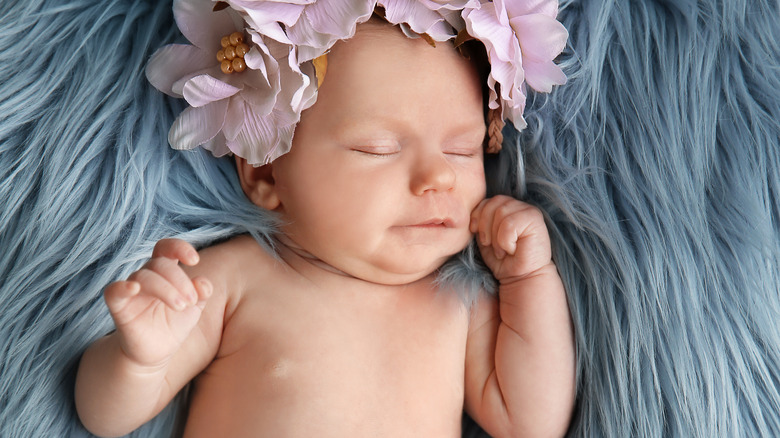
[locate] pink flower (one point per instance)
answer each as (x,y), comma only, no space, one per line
(418,17)
(251,113)
(311,26)
(522,38)
(270,17)
(439,19)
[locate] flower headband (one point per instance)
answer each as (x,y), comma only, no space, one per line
(255,65)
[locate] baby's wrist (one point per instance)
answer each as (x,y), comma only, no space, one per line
(134,366)
(514,278)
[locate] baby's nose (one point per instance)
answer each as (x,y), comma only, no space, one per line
(433,173)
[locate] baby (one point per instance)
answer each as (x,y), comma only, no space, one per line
(345,332)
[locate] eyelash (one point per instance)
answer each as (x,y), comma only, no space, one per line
(463,154)
(378,152)
(375,152)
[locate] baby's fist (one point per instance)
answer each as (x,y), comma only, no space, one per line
(512,237)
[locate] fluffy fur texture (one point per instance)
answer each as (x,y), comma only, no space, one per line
(658,166)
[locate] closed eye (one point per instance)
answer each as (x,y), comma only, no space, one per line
(464,152)
(378,151)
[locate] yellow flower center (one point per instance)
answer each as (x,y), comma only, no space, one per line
(231,55)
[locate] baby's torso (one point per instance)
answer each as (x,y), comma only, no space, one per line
(305,356)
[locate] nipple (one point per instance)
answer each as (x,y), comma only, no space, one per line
(231,55)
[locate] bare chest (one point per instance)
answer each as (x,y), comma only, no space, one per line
(303,362)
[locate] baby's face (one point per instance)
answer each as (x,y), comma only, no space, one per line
(387,166)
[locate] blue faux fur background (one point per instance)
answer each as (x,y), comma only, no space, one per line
(658,165)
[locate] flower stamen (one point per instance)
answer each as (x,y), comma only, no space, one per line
(231,55)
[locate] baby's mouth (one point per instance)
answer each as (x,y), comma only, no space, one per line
(435,223)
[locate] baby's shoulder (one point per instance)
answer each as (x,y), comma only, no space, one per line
(237,247)
(233,263)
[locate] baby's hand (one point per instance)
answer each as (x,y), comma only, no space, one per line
(158,306)
(512,237)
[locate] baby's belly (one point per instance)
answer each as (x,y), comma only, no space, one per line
(346,390)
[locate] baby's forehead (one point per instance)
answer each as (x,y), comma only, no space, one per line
(383,56)
(382,35)
(381,75)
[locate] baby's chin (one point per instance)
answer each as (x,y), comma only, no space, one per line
(390,278)
(397,272)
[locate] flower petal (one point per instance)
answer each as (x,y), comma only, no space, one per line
(453,5)
(492,28)
(265,17)
(283,146)
(262,139)
(202,26)
(204,89)
(298,88)
(541,37)
(171,63)
(309,43)
(338,17)
(270,11)
(262,85)
(217,146)
(517,8)
(271,30)
(524,7)
(292,2)
(542,75)
(260,60)
(508,75)
(195,126)
(262,98)
(454,18)
(212,70)
(418,17)
(234,120)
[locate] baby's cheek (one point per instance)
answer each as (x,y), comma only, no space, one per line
(474,202)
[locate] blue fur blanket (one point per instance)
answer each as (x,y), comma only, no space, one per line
(658,166)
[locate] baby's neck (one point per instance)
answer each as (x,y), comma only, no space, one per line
(359,291)
(293,249)
(316,269)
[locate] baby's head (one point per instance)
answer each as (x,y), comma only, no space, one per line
(387,165)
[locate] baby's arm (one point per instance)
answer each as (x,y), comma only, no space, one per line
(166,333)
(520,359)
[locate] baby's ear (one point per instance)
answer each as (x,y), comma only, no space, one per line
(258,184)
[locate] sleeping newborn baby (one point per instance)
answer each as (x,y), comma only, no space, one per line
(345,330)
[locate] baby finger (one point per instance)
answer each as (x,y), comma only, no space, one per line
(156,286)
(476,215)
(507,234)
(506,226)
(487,219)
(175,275)
(119,293)
(176,249)
(526,233)
(204,288)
